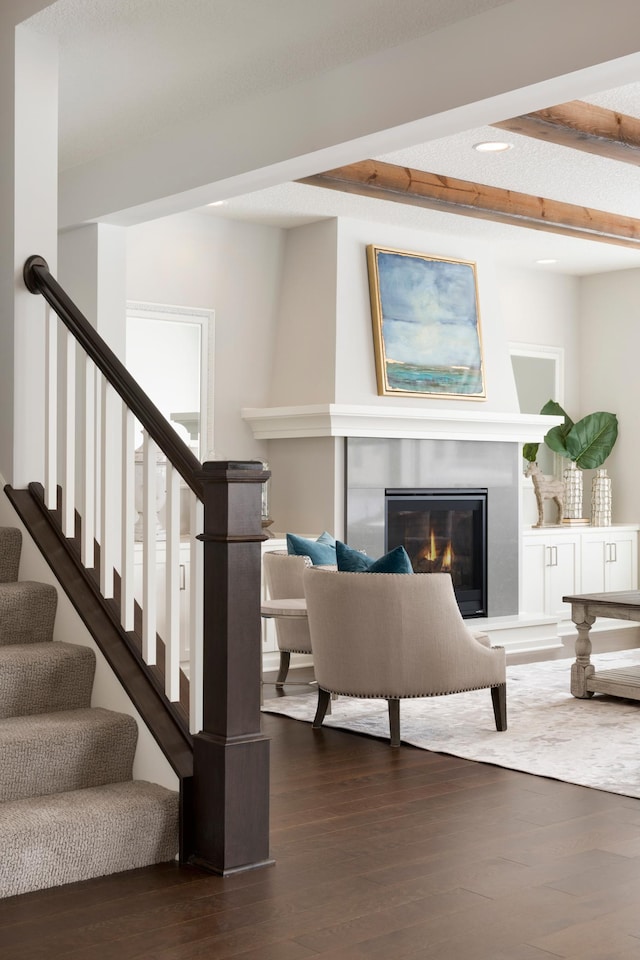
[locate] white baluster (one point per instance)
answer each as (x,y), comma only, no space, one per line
(196,599)
(69,458)
(149,561)
(89,481)
(128,519)
(97,419)
(106,502)
(172,618)
(51,414)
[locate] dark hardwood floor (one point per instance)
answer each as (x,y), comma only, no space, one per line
(380,854)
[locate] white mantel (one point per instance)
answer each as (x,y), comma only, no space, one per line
(343,420)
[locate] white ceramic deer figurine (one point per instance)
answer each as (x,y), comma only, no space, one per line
(546,488)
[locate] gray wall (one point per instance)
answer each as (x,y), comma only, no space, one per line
(372,465)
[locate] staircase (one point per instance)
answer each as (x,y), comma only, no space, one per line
(69,808)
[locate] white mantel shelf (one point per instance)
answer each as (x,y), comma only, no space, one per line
(341,420)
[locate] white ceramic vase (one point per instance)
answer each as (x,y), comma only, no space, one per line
(573,492)
(601,499)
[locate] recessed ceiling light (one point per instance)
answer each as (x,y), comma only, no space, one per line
(217,203)
(547,260)
(492,146)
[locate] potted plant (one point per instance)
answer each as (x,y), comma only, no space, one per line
(586,444)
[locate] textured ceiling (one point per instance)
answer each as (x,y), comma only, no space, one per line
(128,68)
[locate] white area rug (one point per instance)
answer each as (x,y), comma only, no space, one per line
(593,742)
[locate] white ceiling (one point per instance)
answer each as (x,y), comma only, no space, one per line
(181,57)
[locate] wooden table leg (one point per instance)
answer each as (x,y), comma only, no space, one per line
(582,669)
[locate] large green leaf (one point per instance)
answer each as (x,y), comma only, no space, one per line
(591,440)
(556,438)
(551,408)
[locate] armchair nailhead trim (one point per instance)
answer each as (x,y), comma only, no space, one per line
(411,696)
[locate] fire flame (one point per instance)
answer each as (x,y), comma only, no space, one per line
(431,554)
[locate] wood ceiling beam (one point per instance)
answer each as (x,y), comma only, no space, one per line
(386,181)
(582,126)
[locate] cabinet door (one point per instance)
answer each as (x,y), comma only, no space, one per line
(185,598)
(161,575)
(550,570)
(563,576)
(594,553)
(620,562)
(609,561)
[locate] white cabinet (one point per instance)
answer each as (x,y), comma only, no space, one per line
(550,570)
(161,568)
(557,562)
(269,642)
(609,560)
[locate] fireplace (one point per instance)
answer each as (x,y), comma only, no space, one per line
(443,531)
(377,464)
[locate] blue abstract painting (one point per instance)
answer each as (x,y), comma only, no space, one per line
(426,325)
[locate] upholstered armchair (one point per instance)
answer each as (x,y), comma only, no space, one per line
(283,578)
(394,636)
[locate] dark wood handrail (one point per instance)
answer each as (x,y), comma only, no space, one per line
(38,279)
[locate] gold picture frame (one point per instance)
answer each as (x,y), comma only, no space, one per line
(426,325)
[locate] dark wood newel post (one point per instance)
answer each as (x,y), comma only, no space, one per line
(231,757)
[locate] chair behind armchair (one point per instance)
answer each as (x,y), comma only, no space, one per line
(283,576)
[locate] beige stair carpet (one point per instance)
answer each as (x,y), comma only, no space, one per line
(69,808)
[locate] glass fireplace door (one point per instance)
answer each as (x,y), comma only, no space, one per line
(443,531)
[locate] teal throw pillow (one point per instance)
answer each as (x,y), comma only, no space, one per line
(321,551)
(353,561)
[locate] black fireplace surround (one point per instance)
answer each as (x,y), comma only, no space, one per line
(443,531)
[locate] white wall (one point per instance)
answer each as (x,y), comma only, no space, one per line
(325,357)
(307,487)
(355,369)
(305,356)
(542,308)
(300,300)
(28,224)
(197,260)
(608,363)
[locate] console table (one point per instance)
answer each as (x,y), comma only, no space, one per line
(620,605)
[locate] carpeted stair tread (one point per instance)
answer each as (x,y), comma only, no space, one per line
(68,750)
(27,612)
(64,837)
(69,808)
(45,677)
(10,547)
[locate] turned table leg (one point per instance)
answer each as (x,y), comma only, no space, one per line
(582,669)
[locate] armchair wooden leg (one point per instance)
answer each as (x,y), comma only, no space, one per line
(285,660)
(499,699)
(324,698)
(394,721)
